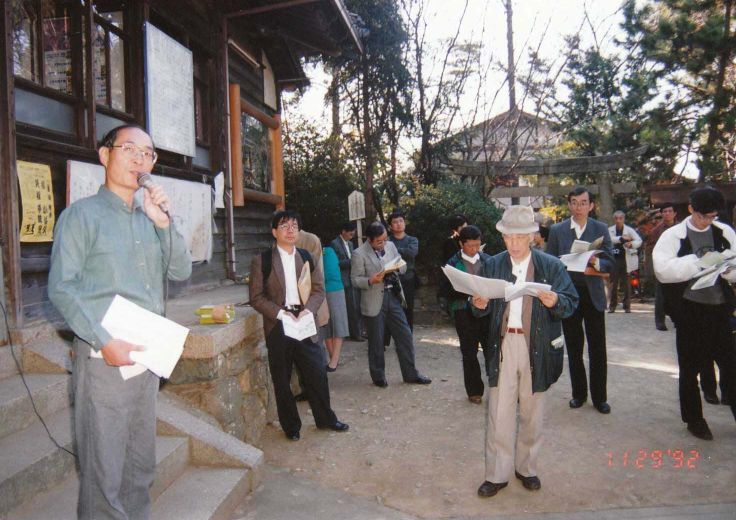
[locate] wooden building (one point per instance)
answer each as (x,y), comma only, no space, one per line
(203,76)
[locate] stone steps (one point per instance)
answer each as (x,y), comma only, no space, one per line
(50,394)
(202,472)
(203,493)
(60,501)
(30,463)
(7,365)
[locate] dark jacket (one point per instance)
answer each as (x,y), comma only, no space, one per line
(456,299)
(546,325)
(561,238)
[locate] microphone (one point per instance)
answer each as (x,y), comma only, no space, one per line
(146,181)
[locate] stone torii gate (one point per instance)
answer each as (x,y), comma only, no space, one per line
(602,166)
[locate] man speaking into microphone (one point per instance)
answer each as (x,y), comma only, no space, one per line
(105,245)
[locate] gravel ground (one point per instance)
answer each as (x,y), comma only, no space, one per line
(419,449)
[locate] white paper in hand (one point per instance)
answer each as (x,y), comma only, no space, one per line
(300,328)
(163,339)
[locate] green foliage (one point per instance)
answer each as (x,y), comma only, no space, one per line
(317,180)
(427,215)
(690,45)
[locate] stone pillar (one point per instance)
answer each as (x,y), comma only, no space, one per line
(604,201)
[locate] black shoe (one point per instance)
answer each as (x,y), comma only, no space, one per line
(489,489)
(330,369)
(292,436)
(301,397)
(336,426)
(661,326)
(611,311)
(381,383)
(603,407)
(576,403)
(627,311)
(357,338)
(700,430)
(530,483)
(420,380)
(710,398)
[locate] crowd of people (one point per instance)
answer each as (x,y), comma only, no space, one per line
(313,297)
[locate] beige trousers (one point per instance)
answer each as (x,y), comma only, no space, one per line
(514,385)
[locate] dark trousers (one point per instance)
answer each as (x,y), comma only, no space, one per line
(708,378)
(391,317)
(595,330)
(409,288)
(283,353)
(659,315)
(703,333)
(472,332)
(619,277)
(352,304)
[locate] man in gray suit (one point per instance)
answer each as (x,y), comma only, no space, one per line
(592,304)
(343,246)
(380,304)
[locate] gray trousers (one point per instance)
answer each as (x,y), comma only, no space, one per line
(115,431)
(392,318)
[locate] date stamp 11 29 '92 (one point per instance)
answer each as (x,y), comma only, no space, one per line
(654,459)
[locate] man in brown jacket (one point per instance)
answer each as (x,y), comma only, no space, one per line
(275,294)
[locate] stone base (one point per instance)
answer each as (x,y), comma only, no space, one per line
(224,372)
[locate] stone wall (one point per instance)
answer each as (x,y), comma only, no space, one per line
(224,372)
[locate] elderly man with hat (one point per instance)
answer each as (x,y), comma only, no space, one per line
(525,351)
(701,315)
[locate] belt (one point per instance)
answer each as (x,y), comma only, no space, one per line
(512,330)
(293,308)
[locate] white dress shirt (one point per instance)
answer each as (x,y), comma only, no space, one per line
(347,247)
(288,261)
(579,230)
(515,305)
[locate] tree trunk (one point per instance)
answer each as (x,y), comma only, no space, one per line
(336,132)
(513,150)
(368,140)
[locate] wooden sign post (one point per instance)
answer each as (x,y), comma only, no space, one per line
(356,211)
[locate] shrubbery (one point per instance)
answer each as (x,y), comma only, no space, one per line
(427,215)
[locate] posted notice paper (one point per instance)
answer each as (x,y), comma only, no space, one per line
(162,338)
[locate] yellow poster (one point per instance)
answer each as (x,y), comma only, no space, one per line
(38,202)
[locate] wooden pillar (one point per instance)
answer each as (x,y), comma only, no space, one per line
(236,146)
(9,225)
(604,202)
(277,163)
(90,58)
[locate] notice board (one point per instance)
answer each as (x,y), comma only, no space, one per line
(169,93)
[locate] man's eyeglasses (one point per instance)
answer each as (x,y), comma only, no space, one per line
(132,151)
(708,217)
(289,227)
(579,203)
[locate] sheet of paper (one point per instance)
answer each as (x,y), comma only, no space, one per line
(394,264)
(163,339)
(520,289)
(581,246)
(475,285)
(304,284)
(301,328)
(577,262)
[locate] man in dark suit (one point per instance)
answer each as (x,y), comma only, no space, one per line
(277,298)
(343,246)
(592,304)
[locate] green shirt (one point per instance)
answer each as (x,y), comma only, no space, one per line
(102,248)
